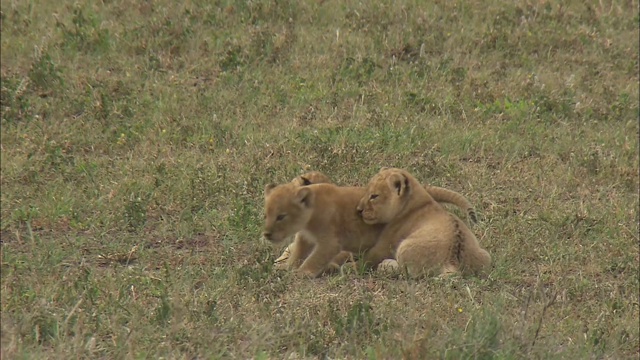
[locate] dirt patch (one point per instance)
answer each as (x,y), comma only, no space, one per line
(7,236)
(198,242)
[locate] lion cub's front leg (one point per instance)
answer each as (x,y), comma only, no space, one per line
(380,251)
(300,250)
(321,256)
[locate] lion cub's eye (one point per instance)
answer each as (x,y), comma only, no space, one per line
(280,217)
(373,197)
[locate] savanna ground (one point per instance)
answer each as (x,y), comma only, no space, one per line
(137,138)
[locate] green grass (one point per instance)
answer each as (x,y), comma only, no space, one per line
(137,138)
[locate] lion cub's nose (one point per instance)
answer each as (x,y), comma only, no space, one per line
(359,209)
(267,235)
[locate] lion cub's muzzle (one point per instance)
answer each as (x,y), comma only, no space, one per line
(362,214)
(267,235)
(366,216)
(272,237)
(360,208)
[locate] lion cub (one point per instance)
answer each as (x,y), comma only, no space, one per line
(323,214)
(301,247)
(424,237)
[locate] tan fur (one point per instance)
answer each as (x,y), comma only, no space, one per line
(322,214)
(439,194)
(423,237)
(302,248)
(443,195)
(312,177)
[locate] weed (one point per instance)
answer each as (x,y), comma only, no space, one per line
(135,211)
(85,32)
(359,320)
(15,106)
(44,74)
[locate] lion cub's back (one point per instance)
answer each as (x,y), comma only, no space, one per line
(354,235)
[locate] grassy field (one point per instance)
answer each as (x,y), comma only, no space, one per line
(137,137)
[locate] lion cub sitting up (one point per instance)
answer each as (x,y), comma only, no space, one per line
(301,247)
(424,237)
(324,214)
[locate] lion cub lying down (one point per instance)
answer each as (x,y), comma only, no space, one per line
(419,233)
(299,250)
(322,214)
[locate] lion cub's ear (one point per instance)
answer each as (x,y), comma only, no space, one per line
(268,188)
(305,181)
(383,168)
(399,183)
(304,196)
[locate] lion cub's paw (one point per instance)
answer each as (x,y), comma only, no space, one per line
(448,272)
(388,266)
(350,267)
(332,268)
(281,266)
(307,274)
(281,263)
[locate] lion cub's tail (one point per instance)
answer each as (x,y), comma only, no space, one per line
(449,196)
